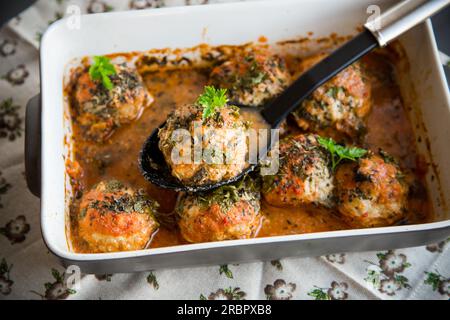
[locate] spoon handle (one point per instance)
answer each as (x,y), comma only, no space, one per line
(378,32)
(402,17)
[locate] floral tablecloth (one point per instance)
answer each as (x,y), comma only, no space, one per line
(28,270)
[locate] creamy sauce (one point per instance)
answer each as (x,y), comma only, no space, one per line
(388,125)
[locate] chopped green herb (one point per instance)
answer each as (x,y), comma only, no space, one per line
(268,183)
(338,152)
(121,202)
(226,196)
(101,69)
(334,92)
(387,157)
(211,100)
(254,75)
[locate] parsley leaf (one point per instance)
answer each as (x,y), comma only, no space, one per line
(338,152)
(101,69)
(211,100)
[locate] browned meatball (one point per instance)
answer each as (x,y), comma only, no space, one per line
(224,144)
(99,111)
(113,218)
(229,212)
(337,107)
(371,192)
(304,175)
(252,77)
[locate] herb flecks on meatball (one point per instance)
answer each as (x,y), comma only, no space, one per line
(338,107)
(371,192)
(205,142)
(227,213)
(304,175)
(252,77)
(108,96)
(113,217)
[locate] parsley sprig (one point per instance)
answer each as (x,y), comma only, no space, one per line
(211,100)
(339,153)
(101,69)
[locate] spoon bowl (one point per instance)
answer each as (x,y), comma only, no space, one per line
(154,168)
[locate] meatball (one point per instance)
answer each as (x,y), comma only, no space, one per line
(229,212)
(113,217)
(223,143)
(252,77)
(99,111)
(304,175)
(337,107)
(371,192)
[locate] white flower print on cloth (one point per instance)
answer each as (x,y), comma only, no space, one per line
(389,286)
(392,263)
(438,282)
(226,294)
(337,291)
(280,290)
(16,229)
(97,6)
(336,258)
(17,76)
(4,187)
(5,281)
(7,48)
(10,121)
(144,4)
(386,276)
(374,274)
(56,290)
(437,247)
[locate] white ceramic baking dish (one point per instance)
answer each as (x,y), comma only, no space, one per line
(235,23)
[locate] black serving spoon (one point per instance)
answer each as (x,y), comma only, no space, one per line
(377,33)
